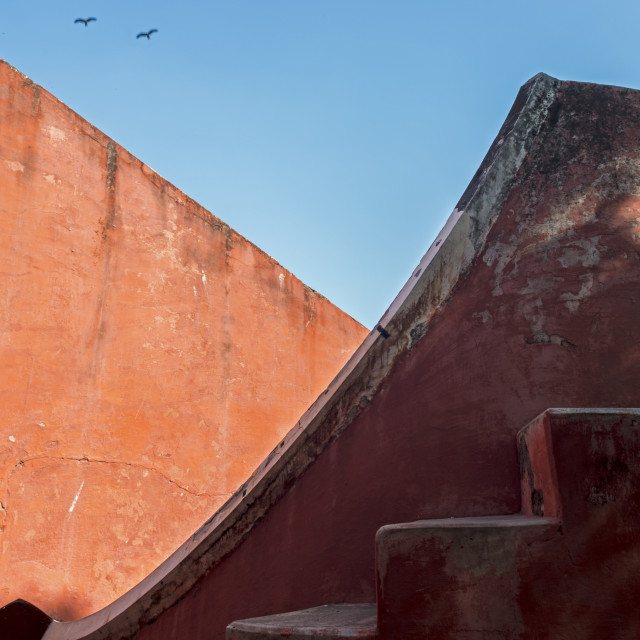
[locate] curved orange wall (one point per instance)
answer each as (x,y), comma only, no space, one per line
(150,358)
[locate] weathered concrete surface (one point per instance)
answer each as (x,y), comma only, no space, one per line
(328,621)
(456,578)
(587,586)
(526,300)
(570,574)
(150,358)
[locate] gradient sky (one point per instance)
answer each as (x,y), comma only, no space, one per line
(337,135)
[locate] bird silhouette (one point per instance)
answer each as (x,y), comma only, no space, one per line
(146,34)
(85,20)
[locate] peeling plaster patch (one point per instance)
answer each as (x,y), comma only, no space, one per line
(281,279)
(586,252)
(56,135)
(171,251)
(12,438)
(195,291)
(483,316)
(73,504)
(14,166)
(538,285)
(171,318)
(500,253)
(575,203)
(534,315)
(51,179)
(573,299)
(554,225)
(103,567)
(204,279)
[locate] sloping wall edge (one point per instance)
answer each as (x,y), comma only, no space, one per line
(193,207)
(401,327)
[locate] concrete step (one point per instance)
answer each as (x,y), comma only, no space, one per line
(455,577)
(583,466)
(328,621)
(538,574)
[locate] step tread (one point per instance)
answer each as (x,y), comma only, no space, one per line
(477,522)
(326,621)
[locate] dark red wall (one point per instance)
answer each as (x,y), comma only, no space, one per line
(546,316)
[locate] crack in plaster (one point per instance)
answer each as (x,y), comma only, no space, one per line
(545,338)
(5,505)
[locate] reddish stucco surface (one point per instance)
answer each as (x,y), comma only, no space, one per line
(150,358)
(568,572)
(544,315)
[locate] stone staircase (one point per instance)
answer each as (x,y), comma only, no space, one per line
(566,567)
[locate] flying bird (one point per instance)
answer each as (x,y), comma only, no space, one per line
(85,20)
(146,34)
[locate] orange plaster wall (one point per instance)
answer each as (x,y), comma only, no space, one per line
(150,358)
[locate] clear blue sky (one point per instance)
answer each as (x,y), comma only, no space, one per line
(337,135)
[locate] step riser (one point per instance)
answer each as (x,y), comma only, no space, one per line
(538,479)
(592,457)
(442,582)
